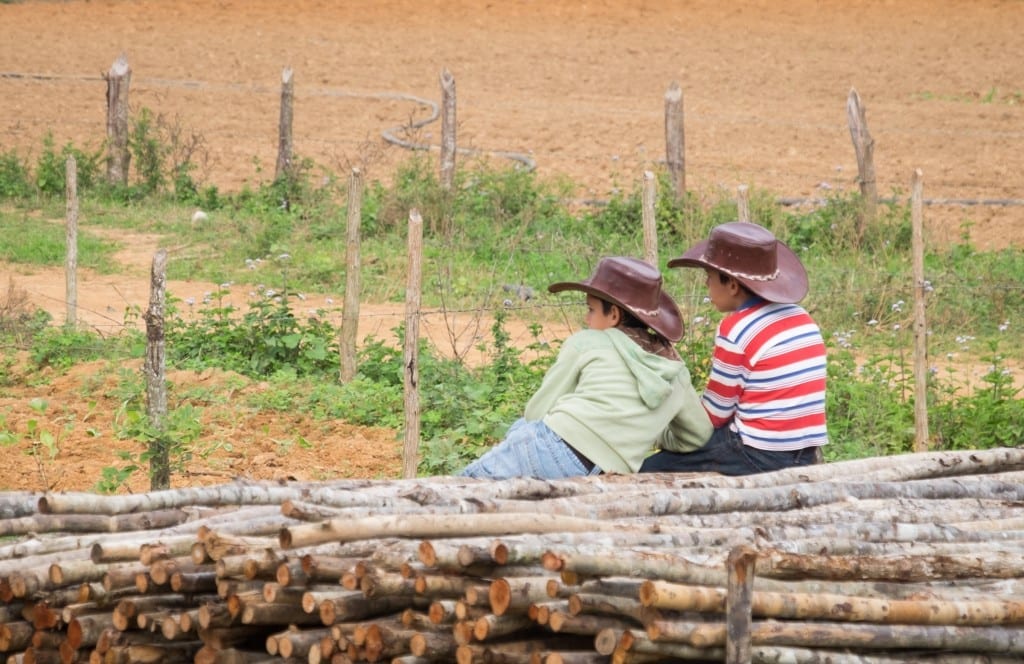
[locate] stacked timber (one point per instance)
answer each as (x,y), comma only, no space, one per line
(917,557)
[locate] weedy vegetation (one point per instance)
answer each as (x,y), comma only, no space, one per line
(492,244)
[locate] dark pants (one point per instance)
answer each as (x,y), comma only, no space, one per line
(725,453)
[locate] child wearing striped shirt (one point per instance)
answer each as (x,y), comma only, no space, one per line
(766,392)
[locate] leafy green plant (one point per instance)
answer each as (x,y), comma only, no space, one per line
(267,338)
(15,179)
(51,167)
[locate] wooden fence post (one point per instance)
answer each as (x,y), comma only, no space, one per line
(448,143)
(864,146)
(410,450)
(675,141)
(650,222)
(742,203)
(118,156)
(71,240)
(353,266)
(738,602)
(921,437)
(284,126)
(154,370)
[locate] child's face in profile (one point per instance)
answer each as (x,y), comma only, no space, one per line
(596,318)
(726,296)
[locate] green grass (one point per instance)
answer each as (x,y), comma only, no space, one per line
(499,236)
(30,239)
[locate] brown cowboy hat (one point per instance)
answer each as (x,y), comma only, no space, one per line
(635,286)
(751,255)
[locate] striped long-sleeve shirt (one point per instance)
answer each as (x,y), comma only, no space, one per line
(768,377)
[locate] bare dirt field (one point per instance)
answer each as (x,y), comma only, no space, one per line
(577,86)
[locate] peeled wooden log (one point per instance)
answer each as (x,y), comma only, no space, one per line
(297,642)
(988,564)
(585,623)
(838,607)
(119,577)
(387,585)
(237,601)
(516,593)
(290,573)
(90,523)
(442,612)
(199,581)
(164,653)
(218,545)
(611,605)
(325,568)
(848,635)
(442,586)
(490,626)
(386,638)
(435,646)
(213,614)
(215,495)
(85,630)
(451,525)
(541,612)
(161,570)
(15,635)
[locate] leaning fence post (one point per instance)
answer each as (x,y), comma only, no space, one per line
(864,146)
(71,240)
(448,143)
(410,450)
(353,263)
(675,140)
(650,222)
(154,370)
(921,438)
(738,602)
(118,156)
(742,203)
(284,126)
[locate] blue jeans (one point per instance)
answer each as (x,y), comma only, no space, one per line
(530,449)
(725,453)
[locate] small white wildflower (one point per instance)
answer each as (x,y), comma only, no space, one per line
(698,320)
(706,300)
(329,300)
(301,296)
(271,292)
(284,257)
(226,285)
(190,301)
(1004,326)
(896,327)
(928,288)
(950,356)
(898,305)
(872,322)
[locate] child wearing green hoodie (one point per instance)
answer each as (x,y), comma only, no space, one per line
(616,391)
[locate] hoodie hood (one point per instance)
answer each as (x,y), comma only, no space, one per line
(654,374)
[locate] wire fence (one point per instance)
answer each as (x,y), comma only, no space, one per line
(976,186)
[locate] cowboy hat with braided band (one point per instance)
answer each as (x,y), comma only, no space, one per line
(751,255)
(635,286)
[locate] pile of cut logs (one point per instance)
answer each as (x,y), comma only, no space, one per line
(918,557)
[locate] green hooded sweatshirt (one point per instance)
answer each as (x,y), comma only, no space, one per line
(615,403)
